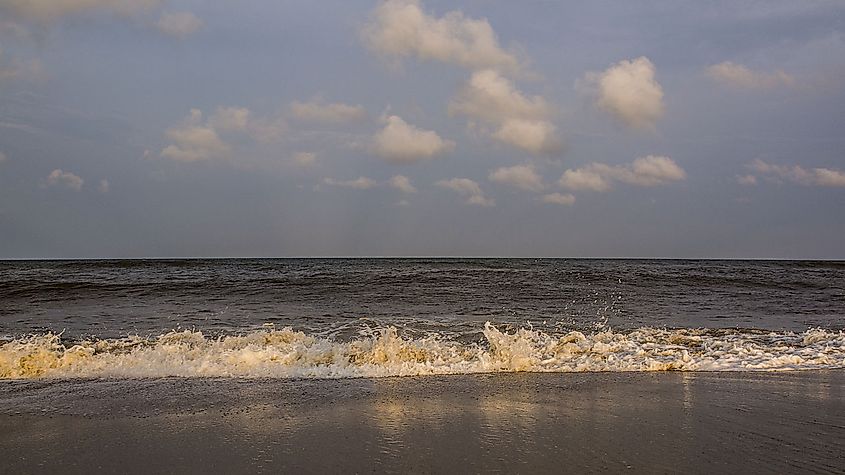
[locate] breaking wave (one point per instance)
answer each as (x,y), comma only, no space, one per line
(287,353)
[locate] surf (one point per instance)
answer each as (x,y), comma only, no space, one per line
(381,352)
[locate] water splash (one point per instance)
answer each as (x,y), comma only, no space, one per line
(287,353)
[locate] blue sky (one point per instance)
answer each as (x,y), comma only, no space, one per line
(258,128)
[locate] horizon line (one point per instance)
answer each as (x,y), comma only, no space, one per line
(456,257)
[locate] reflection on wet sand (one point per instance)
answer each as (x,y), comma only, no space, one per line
(656,422)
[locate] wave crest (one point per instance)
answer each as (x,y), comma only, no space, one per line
(287,353)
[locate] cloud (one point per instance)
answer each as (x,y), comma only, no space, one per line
(558,199)
(520,120)
(402,183)
(400,142)
(644,171)
(230,119)
(194,141)
(360,183)
(585,179)
(523,177)
(491,97)
(535,136)
(305,159)
(240,119)
(67,179)
(747,180)
(828,177)
(104,186)
(800,175)
(468,188)
(739,76)
(3,157)
(401,28)
(652,171)
(628,91)
(49,10)
(319,111)
(178,24)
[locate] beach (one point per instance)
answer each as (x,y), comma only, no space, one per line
(662,422)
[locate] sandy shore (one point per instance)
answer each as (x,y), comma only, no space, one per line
(527,423)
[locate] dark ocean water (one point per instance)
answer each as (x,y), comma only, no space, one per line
(340,300)
(111,298)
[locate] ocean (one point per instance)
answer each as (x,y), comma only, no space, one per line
(373,317)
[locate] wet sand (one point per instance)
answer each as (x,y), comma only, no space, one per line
(514,423)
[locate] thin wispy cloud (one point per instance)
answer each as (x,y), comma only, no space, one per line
(360,183)
(644,171)
(468,188)
(742,77)
(561,199)
(402,183)
(50,10)
(827,177)
(524,177)
(320,111)
(198,139)
(179,24)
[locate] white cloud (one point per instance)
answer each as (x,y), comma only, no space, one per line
(800,175)
(584,179)
(468,188)
(739,76)
(652,171)
(401,28)
(629,91)
(47,10)
(535,136)
(194,141)
(62,178)
(828,177)
(104,186)
(305,159)
(644,171)
(558,199)
(360,183)
(520,120)
(402,183)
(400,142)
(520,176)
(319,111)
(491,97)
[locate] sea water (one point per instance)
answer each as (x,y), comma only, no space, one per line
(331,318)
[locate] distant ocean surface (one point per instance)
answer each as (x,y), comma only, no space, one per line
(382,317)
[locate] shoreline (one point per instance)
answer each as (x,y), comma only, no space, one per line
(511,422)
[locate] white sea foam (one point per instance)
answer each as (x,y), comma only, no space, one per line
(287,353)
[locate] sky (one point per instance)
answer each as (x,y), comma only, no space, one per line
(258,128)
